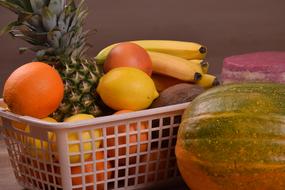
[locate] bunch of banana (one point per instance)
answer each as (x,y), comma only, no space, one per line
(176,59)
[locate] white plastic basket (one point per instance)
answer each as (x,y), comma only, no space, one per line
(136,150)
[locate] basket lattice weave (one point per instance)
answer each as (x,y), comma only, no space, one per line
(136,150)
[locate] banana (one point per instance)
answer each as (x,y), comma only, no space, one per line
(186,50)
(202,63)
(102,55)
(208,81)
(174,66)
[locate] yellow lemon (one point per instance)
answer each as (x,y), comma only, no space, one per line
(18,125)
(85,136)
(49,119)
(36,147)
(24,127)
(127,88)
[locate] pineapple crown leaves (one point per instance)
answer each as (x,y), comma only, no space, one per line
(20,7)
(53,27)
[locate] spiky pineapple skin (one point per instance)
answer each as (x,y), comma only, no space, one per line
(80,81)
(54,28)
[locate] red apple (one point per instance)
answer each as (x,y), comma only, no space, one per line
(128,54)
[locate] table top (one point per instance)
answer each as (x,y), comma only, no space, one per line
(8,180)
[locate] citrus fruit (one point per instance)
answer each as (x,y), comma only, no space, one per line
(88,168)
(133,138)
(24,127)
(150,164)
(78,117)
(34,89)
(127,88)
(85,136)
(160,160)
(19,125)
(49,119)
(128,54)
(34,146)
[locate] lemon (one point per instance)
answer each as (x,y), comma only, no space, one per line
(18,125)
(49,119)
(78,117)
(127,88)
(85,136)
(36,147)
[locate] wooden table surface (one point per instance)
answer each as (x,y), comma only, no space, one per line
(8,181)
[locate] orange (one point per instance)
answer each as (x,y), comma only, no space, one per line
(156,164)
(152,167)
(122,139)
(88,168)
(34,89)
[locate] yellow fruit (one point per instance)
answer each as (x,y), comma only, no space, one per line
(175,67)
(35,147)
(201,63)
(49,119)
(126,88)
(24,127)
(85,135)
(78,117)
(208,81)
(19,125)
(186,50)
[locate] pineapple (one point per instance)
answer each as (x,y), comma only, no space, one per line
(54,28)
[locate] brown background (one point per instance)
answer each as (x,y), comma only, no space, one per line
(226,27)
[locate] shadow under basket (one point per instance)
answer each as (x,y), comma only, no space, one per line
(134,150)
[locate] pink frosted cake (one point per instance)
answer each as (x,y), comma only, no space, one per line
(254,67)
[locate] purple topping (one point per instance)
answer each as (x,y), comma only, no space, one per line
(266,62)
(255,67)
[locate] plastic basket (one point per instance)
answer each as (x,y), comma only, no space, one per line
(129,151)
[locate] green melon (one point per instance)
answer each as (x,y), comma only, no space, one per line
(232,137)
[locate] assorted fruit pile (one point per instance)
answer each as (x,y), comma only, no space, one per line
(55,31)
(62,84)
(230,136)
(132,79)
(138,72)
(64,81)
